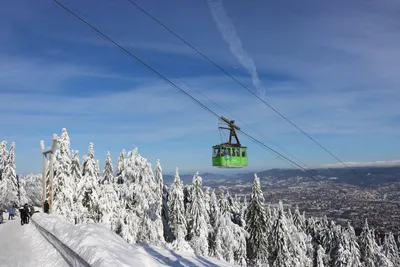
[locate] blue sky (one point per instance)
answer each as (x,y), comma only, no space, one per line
(332,68)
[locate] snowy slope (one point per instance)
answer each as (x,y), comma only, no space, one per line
(99,246)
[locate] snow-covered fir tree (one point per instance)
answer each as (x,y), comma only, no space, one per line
(214,217)
(230,238)
(120,167)
(301,247)
(225,239)
(22,197)
(243,208)
(187,195)
(119,175)
(33,188)
(162,195)
(109,205)
(64,185)
(168,237)
(98,169)
(18,190)
(368,247)
(159,178)
(223,203)
(8,185)
(108,172)
(280,242)
(3,157)
(142,218)
(240,245)
(257,227)
(390,249)
(159,195)
(76,176)
(76,169)
(298,220)
(176,211)
(352,246)
(207,199)
(234,209)
(320,257)
(87,190)
(197,221)
(340,257)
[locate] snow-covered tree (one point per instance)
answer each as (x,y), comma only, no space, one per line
(98,169)
(8,186)
(142,218)
(280,242)
(3,157)
(223,204)
(341,256)
(87,190)
(159,178)
(18,190)
(63,185)
(257,227)
(240,245)
(352,246)
(197,222)
(76,170)
(120,167)
(165,215)
(76,177)
(320,257)
(162,196)
(235,210)
(33,188)
(390,249)
(22,196)
(214,216)
(176,211)
(301,248)
(243,208)
(207,197)
(298,220)
(368,247)
(109,205)
(230,239)
(108,172)
(225,239)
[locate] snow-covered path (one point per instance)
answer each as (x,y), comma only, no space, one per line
(24,246)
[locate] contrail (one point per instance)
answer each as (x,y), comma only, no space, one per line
(228,31)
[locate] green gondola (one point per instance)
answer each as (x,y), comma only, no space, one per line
(229,155)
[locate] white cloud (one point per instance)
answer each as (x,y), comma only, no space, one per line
(32,74)
(391,163)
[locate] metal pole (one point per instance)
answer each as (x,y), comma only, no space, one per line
(44,180)
(43,174)
(51,183)
(52,149)
(51,158)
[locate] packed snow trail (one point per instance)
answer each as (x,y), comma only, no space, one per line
(24,246)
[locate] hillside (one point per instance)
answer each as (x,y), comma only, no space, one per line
(362,176)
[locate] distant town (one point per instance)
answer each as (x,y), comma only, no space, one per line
(336,194)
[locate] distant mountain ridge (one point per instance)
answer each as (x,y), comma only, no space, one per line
(362,176)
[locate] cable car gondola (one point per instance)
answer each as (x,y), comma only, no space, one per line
(229,155)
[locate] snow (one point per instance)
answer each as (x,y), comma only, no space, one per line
(23,245)
(99,246)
